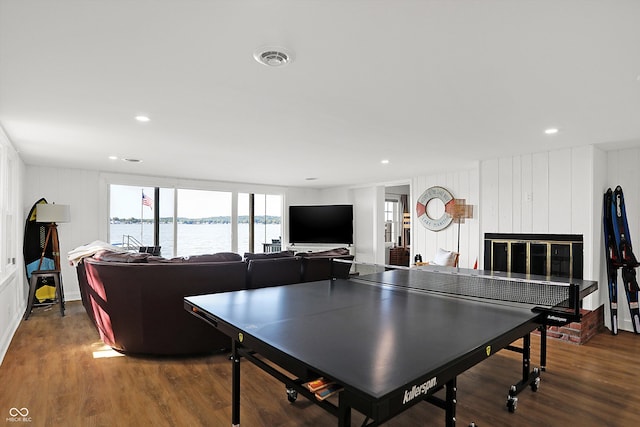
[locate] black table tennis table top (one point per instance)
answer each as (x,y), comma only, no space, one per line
(373,338)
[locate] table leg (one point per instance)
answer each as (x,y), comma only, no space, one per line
(450,409)
(529,378)
(235,386)
(526,357)
(344,413)
(543,348)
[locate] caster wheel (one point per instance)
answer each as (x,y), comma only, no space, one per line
(292,395)
(512,404)
(535,385)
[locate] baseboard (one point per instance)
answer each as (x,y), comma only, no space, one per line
(72,296)
(625,324)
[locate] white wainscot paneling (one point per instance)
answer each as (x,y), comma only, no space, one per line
(10,311)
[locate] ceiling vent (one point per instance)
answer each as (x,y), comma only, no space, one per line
(273,57)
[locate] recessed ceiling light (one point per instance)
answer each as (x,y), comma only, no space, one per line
(113,157)
(551,131)
(142,118)
(384,162)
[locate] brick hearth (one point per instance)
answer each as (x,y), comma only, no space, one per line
(579,333)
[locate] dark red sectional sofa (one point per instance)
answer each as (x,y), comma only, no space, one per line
(136,300)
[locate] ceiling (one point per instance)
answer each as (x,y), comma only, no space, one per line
(428,85)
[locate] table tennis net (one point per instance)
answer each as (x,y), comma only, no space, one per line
(557,295)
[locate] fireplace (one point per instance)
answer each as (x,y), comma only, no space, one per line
(559,255)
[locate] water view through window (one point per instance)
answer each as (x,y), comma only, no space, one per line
(191,222)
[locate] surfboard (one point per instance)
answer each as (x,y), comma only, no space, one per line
(34,239)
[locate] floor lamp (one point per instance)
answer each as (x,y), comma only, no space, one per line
(52,214)
(460,211)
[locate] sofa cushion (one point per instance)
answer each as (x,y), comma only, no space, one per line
(283,254)
(328,253)
(324,268)
(217,257)
(262,273)
(205,258)
(121,257)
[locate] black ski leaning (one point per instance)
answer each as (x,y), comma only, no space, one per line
(612,259)
(619,254)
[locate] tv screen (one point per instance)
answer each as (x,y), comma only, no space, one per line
(321,224)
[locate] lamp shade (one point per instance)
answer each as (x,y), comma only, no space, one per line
(53,213)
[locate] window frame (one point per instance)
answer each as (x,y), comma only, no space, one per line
(108,179)
(395,223)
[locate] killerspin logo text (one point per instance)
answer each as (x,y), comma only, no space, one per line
(419,390)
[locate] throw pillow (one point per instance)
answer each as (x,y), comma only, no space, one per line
(445,258)
(217,257)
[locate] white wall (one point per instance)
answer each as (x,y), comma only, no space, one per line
(548,192)
(462,185)
(13,291)
(336,196)
(78,189)
(368,212)
(599,269)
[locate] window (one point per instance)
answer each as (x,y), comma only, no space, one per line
(204,222)
(391,220)
(131,219)
(192,222)
(267,223)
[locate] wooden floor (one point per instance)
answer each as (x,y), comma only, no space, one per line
(54,369)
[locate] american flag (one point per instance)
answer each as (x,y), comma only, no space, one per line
(147,201)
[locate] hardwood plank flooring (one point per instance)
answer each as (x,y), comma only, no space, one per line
(53,369)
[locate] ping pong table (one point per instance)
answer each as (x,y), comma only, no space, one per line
(391,338)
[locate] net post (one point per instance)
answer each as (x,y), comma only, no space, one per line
(574,299)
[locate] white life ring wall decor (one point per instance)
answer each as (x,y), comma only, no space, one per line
(434,224)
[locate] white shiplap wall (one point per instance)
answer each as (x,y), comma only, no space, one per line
(549,192)
(462,185)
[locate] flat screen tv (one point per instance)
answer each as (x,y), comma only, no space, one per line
(321,224)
